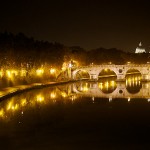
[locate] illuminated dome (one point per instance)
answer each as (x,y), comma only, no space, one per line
(140,49)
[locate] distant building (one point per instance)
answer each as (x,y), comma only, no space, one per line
(140,49)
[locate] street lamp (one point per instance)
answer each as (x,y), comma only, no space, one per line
(70,65)
(52,70)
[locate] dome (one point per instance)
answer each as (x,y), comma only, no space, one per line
(140,49)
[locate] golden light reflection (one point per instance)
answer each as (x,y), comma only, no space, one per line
(107,85)
(100,85)
(23,102)
(85,89)
(9,105)
(112,83)
(2,113)
(133,81)
(63,94)
(105,69)
(40,98)
(53,95)
(129,99)
(16,106)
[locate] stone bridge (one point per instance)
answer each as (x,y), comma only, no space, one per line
(120,70)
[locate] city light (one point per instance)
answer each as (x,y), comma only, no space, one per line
(53,95)
(39,72)
(23,73)
(63,94)
(40,98)
(11,73)
(2,113)
(1,73)
(52,70)
(23,102)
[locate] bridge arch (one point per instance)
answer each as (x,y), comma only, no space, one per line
(133,80)
(132,71)
(107,72)
(81,74)
(120,70)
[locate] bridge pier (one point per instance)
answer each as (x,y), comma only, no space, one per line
(120,77)
(145,77)
(93,77)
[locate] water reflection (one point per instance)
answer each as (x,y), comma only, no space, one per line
(133,83)
(71,93)
(83,86)
(107,86)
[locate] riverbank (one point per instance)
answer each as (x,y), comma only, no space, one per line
(10,91)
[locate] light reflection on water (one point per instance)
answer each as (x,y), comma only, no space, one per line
(71,115)
(108,88)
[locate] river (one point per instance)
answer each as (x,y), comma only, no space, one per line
(81,115)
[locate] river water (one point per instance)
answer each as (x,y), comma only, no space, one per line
(81,115)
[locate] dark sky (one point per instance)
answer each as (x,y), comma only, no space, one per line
(86,23)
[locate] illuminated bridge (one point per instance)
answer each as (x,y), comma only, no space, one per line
(120,71)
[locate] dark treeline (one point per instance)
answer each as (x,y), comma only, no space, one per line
(19,50)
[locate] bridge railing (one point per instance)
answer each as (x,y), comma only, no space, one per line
(113,65)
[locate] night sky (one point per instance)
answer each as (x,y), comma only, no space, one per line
(89,24)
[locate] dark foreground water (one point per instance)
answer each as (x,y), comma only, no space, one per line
(93,116)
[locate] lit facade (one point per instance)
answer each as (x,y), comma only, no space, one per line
(140,49)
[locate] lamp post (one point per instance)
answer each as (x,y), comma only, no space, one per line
(53,73)
(70,69)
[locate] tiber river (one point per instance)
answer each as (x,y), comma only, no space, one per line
(78,116)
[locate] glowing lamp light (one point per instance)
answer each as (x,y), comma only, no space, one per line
(63,68)
(70,65)
(8,73)
(23,73)
(14,72)
(11,73)
(52,70)
(106,69)
(39,72)
(129,99)
(128,62)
